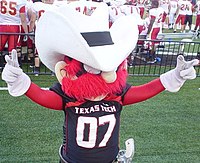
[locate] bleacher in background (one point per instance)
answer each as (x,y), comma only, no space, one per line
(166,52)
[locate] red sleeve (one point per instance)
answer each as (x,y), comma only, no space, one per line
(143,92)
(153,17)
(46,98)
(22,10)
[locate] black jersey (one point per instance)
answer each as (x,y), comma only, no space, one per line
(91,129)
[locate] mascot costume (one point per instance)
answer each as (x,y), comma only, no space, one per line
(89,60)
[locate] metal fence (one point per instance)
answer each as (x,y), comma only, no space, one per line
(166,53)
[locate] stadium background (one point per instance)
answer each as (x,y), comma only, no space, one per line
(165,128)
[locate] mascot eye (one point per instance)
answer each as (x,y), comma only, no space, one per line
(81,72)
(91,69)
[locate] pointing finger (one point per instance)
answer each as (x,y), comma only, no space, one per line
(8,60)
(181,62)
(191,63)
(15,58)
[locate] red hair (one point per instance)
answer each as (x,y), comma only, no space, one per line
(89,85)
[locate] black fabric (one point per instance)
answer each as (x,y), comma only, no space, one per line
(96,118)
(97,38)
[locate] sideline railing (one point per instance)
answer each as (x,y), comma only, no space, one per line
(166,53)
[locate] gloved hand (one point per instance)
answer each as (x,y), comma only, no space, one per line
(18,82)
(174,79)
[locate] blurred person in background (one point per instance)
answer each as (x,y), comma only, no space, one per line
(197,22)
(128,9)
(141,4)
(173,4)
(181,14)
(24,40)
(39,7)
(188,16)
(165,6)
(115,11)
(60,2)
(12,15)
(155,26)
(194,2)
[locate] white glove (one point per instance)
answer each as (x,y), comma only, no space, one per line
(18,82)
(174,79)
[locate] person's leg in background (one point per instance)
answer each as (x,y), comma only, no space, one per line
(197,25)
(141,11)
(177,22)
(171,20)
(31,57)
(152,52)
(180,19)
(185,22)
(37,63)
(3,41)
(13,39)
(183,17)
(190,23)
(19,47)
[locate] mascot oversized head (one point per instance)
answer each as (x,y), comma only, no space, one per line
(88,58)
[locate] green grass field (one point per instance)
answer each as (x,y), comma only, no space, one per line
(166,128)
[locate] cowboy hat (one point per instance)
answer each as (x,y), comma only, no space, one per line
(88,39)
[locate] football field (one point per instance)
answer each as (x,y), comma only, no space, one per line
(166,128)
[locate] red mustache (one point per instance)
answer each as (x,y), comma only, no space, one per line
(89,85)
